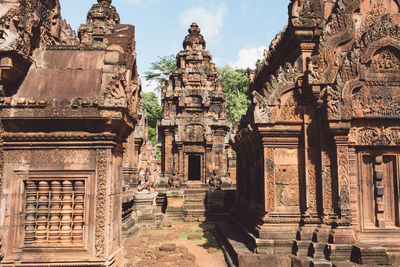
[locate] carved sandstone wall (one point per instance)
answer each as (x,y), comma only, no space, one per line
(64,120)
(318,150)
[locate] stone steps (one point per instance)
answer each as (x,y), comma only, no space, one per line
(239,245)
(195,198)
(193,207)
(194,201)
(232,242)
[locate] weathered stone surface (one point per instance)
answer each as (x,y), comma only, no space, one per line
(170,247)
(315,150)
(66,111)
(194,237)
(264,260)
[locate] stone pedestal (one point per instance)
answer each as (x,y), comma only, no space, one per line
(215,202)
(145,209)
(175,199)
(162,181)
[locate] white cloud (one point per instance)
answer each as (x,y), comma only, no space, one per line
(149,86)
(210,20)
(247,57)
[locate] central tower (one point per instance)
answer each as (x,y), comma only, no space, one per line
(194,125)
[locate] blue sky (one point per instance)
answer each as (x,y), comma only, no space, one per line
(236,31)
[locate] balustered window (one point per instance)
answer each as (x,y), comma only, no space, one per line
(54,211)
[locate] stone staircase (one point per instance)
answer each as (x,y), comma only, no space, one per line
(194,203)
(240,246)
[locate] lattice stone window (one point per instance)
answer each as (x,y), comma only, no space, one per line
(54,211)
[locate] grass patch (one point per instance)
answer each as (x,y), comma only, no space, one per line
(185,235)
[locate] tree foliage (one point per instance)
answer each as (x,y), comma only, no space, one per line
(153,109)
(235,84)
(160,70)
(150,103)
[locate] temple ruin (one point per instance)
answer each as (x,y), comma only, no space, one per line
(67,107)
(318,158)
(194,128)
(315,180)
(194,124)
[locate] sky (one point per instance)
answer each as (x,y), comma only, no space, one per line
(236,31)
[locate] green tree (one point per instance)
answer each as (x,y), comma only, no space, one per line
(235,84)
(161,70)
(153,109)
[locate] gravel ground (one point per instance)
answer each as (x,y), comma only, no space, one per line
(181,245)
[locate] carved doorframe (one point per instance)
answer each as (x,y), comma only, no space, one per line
(377,179)
(186,166)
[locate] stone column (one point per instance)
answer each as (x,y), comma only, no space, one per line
(342,237)
(168,157)
(180,161)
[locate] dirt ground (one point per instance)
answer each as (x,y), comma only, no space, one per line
(182,244)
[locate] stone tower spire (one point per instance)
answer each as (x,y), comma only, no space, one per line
(194,124)
(194,40)
(100,22)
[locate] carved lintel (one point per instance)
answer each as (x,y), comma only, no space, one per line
(374,136)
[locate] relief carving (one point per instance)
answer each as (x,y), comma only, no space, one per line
(287,188)
(311,186)
(51,157)
(380,28)
(290,110)
(306,13)
(376,102)
(374,136)
(343,172)
(194,133)
(101,192)
(22,20)
(386,60)
(334,102)
(262,112)
(270,167)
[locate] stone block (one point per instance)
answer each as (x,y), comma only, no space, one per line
(170,247)
(302,248)
(301,261)
(175,200)
(144,207)
(339,252)
(255,260)
(369,254)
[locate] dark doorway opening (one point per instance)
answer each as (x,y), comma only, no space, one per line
(194,168)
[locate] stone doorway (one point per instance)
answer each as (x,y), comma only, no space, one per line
(380,205)
(194,168)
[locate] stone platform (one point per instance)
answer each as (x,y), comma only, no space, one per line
(240,247)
